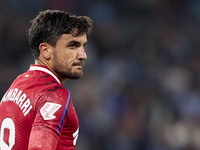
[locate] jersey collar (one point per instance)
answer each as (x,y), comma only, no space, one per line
(44,69)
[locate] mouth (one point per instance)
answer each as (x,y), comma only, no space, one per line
(78,64)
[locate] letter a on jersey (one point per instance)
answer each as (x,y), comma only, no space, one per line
(48,110)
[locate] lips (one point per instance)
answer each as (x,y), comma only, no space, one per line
(78,63)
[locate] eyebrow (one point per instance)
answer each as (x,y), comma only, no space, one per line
(76,43)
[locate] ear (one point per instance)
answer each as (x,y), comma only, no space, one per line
(45,50)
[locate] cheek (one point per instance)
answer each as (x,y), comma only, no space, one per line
(67,59)
(72,57)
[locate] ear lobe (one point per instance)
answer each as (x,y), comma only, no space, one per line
(45,50)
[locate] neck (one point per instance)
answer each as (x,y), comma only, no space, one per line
(39,62)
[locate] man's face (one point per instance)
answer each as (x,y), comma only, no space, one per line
(69,55)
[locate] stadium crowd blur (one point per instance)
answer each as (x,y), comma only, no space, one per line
(141,84)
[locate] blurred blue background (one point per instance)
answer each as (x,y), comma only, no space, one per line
(141,83)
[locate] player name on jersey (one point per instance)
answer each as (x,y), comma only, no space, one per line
(20,98)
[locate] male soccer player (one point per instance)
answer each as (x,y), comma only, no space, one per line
(37,112)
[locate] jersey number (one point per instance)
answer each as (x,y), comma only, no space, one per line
(7,124)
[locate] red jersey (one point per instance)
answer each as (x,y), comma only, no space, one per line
(37,100)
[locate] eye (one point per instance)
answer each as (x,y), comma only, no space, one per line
(73,46)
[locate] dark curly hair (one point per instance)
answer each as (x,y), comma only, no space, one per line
(49,25)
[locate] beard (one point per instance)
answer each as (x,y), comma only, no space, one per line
(71,75)
(67,73)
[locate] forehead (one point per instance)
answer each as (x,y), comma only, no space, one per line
(66,38)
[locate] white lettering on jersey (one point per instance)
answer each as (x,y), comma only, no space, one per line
(48,110)
(20,98)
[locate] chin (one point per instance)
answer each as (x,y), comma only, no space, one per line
(75,75)
(71,74)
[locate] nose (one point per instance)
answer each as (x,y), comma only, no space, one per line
(82,54)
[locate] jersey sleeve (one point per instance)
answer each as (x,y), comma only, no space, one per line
(51,110)
(44,141)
